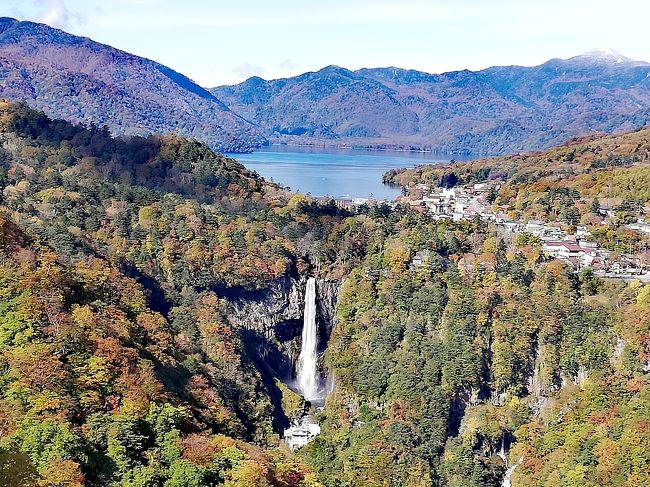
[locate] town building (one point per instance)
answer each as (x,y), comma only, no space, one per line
(301,434)
(578,253)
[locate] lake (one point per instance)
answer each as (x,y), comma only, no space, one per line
(352,173)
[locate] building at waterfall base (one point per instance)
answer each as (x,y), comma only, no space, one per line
(299,435)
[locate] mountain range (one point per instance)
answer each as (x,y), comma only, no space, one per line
(498,110)
(494,111)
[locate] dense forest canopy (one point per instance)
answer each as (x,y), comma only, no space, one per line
(120,365)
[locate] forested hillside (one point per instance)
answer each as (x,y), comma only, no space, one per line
(498,110)
(98,390)
(97,387)
(485,349)
(122,365)
(615,168)
(573,184)
(80,80)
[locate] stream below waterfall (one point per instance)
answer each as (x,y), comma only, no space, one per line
(507,478)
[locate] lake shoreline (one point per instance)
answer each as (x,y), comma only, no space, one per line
(364,149)
(336,173)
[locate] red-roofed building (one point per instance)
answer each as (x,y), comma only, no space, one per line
(571,251)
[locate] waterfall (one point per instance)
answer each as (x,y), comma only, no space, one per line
(308,380)
(507,482)
(502,451)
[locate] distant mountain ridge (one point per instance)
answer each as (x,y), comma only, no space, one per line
(499,110)
(78,79)
(494,111)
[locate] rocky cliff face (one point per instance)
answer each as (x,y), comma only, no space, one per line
(327,294)
(273,319)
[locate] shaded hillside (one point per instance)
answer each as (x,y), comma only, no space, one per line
(81,80)
(494,111)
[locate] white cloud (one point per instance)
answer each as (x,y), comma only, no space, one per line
(55,14)
(289,64)
(246,70)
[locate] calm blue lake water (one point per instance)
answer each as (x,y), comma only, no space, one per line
(334,172)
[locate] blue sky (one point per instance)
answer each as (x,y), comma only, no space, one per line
(221,42)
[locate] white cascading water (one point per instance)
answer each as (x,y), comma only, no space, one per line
(308,382)
(507,478)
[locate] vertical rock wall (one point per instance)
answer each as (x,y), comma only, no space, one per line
(272,319)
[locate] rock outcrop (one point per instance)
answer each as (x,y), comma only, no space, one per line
(272,319)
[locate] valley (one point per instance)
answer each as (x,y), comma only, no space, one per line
(369,277)
(445,342)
